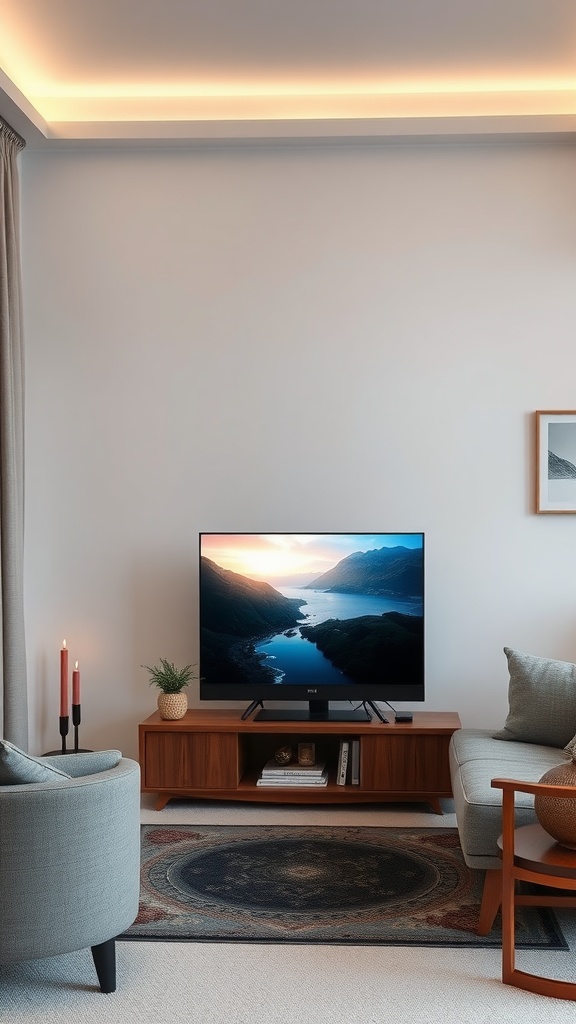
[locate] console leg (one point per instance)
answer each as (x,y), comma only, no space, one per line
(104,957)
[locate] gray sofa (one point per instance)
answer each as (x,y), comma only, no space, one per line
(476,758)
(539,733)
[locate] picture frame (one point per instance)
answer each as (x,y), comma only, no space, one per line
(556,461)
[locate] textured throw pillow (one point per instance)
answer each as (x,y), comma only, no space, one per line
(17,767)
(541,700)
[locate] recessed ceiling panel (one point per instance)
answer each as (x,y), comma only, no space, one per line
(95,61)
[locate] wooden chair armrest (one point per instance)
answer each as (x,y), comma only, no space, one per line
(536,788)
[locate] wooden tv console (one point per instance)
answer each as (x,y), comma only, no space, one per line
(217,756)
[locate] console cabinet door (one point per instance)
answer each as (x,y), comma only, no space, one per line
(403,764)
(191,760)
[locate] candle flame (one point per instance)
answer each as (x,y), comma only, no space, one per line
(63,643)
(76,665)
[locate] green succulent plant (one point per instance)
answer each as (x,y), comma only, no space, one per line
(168,678)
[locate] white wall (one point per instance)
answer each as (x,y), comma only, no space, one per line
(342,338)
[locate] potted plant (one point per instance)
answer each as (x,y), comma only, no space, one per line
(172,703)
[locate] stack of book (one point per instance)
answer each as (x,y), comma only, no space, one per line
(274,774)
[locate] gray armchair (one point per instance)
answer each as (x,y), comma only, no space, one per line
(70,862)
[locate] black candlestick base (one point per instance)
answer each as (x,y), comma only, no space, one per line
(76,719)
(64,723)
(54,753)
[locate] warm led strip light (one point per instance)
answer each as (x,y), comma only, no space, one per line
(146,105)
(163,109)
(245,99)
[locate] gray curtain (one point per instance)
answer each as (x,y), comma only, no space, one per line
(13,660)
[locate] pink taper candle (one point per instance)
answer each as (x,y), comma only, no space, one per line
(63,680)
(76,685)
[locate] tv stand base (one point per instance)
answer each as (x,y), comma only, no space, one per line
(318,711)
(301,715)
(377,711)
(251,707)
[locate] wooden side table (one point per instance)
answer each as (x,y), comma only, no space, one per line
(529,854)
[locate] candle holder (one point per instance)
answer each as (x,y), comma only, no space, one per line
(76,719)
(64,725)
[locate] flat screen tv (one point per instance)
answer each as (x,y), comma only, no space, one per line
(312,617)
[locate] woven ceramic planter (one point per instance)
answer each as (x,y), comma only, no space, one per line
(558,816)
(172,705)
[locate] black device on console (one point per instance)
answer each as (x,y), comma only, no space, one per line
(312,617)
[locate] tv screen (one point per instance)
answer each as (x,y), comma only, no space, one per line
(312,617)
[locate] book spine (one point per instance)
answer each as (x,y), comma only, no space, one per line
(339,765)
(281,777)
(355,762)
(293,778)
(302,783)
(343,763)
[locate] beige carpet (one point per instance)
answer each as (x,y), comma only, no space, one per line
(208,983)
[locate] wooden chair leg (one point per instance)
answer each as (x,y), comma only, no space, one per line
(491,900)
(508,926)
(104,957)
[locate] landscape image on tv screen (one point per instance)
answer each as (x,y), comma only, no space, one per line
(287,610)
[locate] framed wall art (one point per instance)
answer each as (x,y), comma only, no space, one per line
(556,461)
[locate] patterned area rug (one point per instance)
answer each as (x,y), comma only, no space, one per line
(317,884)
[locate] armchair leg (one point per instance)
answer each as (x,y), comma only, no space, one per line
(104,956)
(491,900)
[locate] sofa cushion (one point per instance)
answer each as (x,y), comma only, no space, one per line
(475,759)
(17,767)
(541,699)
(480,745)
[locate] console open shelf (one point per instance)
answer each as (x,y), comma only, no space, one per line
(215,755)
